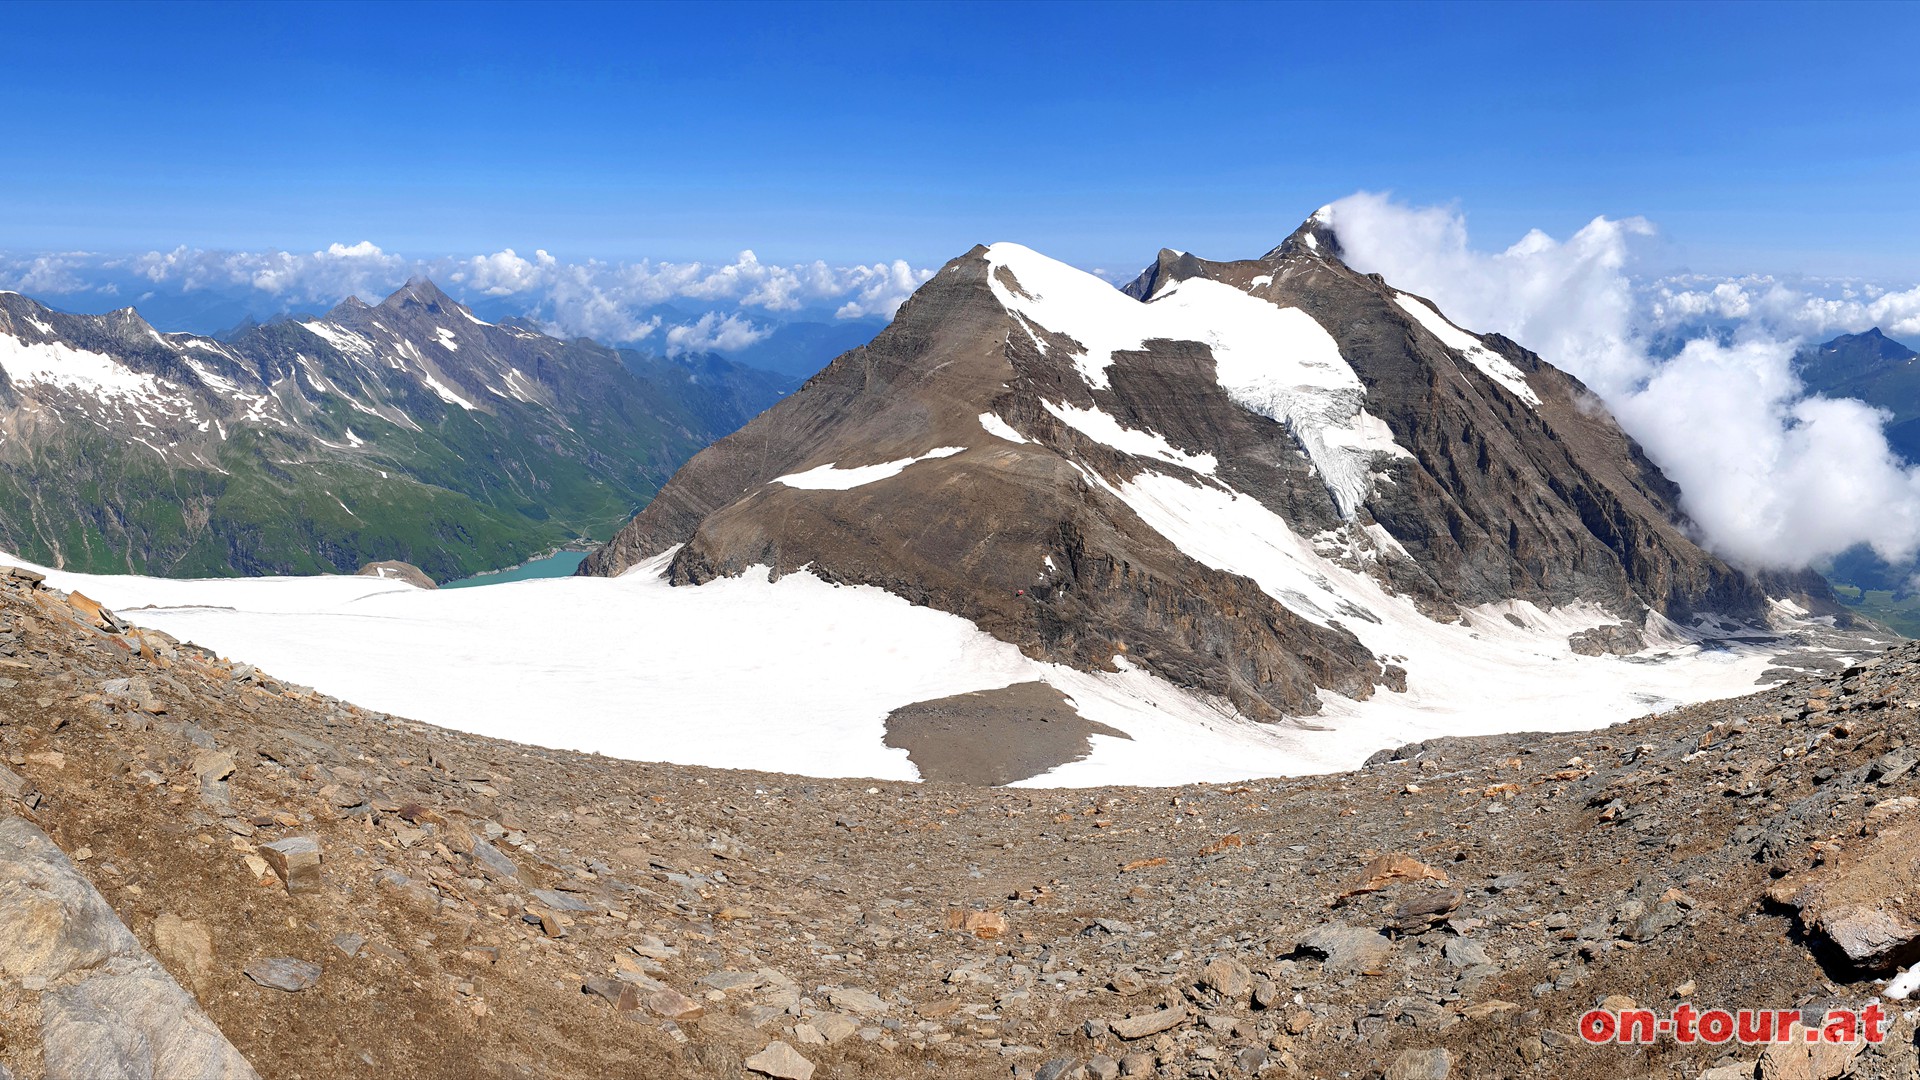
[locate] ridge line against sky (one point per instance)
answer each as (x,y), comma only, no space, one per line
(1763,138)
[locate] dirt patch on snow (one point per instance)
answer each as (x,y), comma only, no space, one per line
(993,737)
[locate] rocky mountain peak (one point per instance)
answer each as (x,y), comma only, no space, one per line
(349,308)
(1860,365)
(1314,237)
(1872,343)
(421,293)
(1169,266)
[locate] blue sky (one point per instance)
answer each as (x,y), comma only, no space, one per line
(1772,138)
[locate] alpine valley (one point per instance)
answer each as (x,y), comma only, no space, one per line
(409,431)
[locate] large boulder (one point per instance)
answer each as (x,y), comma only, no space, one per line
(107,1008)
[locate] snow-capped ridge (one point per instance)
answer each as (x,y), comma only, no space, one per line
(1276,361)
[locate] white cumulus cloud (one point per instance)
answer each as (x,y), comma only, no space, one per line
(714,333)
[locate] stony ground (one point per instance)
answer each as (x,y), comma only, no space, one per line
(487,909)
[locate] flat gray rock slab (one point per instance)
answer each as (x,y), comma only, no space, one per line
(284,973)
(780,1061)
(560,901)
(107,1008)
(494,861)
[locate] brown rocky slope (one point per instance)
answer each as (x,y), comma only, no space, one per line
(480,908)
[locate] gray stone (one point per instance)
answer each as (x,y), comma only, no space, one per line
(1057,1069)
(284,973)
(560,901)
(1425,909)
(134,1023)
(1145,1024)
(1463,953)
(1430,1064)
(730,981)
(1618,639)
(1228,978)
(1870,937)
(1349,949)
(297,860)
(1656,922)
(833,1027)
(490,859)
(780,1061)
(856,1001)
(55,921)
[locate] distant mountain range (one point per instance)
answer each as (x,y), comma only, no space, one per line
(410,430)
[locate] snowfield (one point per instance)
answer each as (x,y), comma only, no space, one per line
(831,477)
(798,675)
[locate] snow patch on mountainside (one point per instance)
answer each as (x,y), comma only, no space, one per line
(1107,430)
(61,366)
(446,393)
(1492,364)
(831,477)
(343,340)
(1274,361)
(1454,670)
(999,428)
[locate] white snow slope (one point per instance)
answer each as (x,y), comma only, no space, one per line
(798,675)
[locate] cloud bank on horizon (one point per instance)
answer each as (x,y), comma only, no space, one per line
(608,301)
(1698,370)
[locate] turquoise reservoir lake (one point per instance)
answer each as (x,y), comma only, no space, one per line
(558,564)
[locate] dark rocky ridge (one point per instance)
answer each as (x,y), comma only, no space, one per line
(1553,504)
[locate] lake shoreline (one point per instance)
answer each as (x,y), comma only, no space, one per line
(560,562)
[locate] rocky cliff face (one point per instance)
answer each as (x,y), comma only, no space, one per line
(405,430)
(1174,475)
